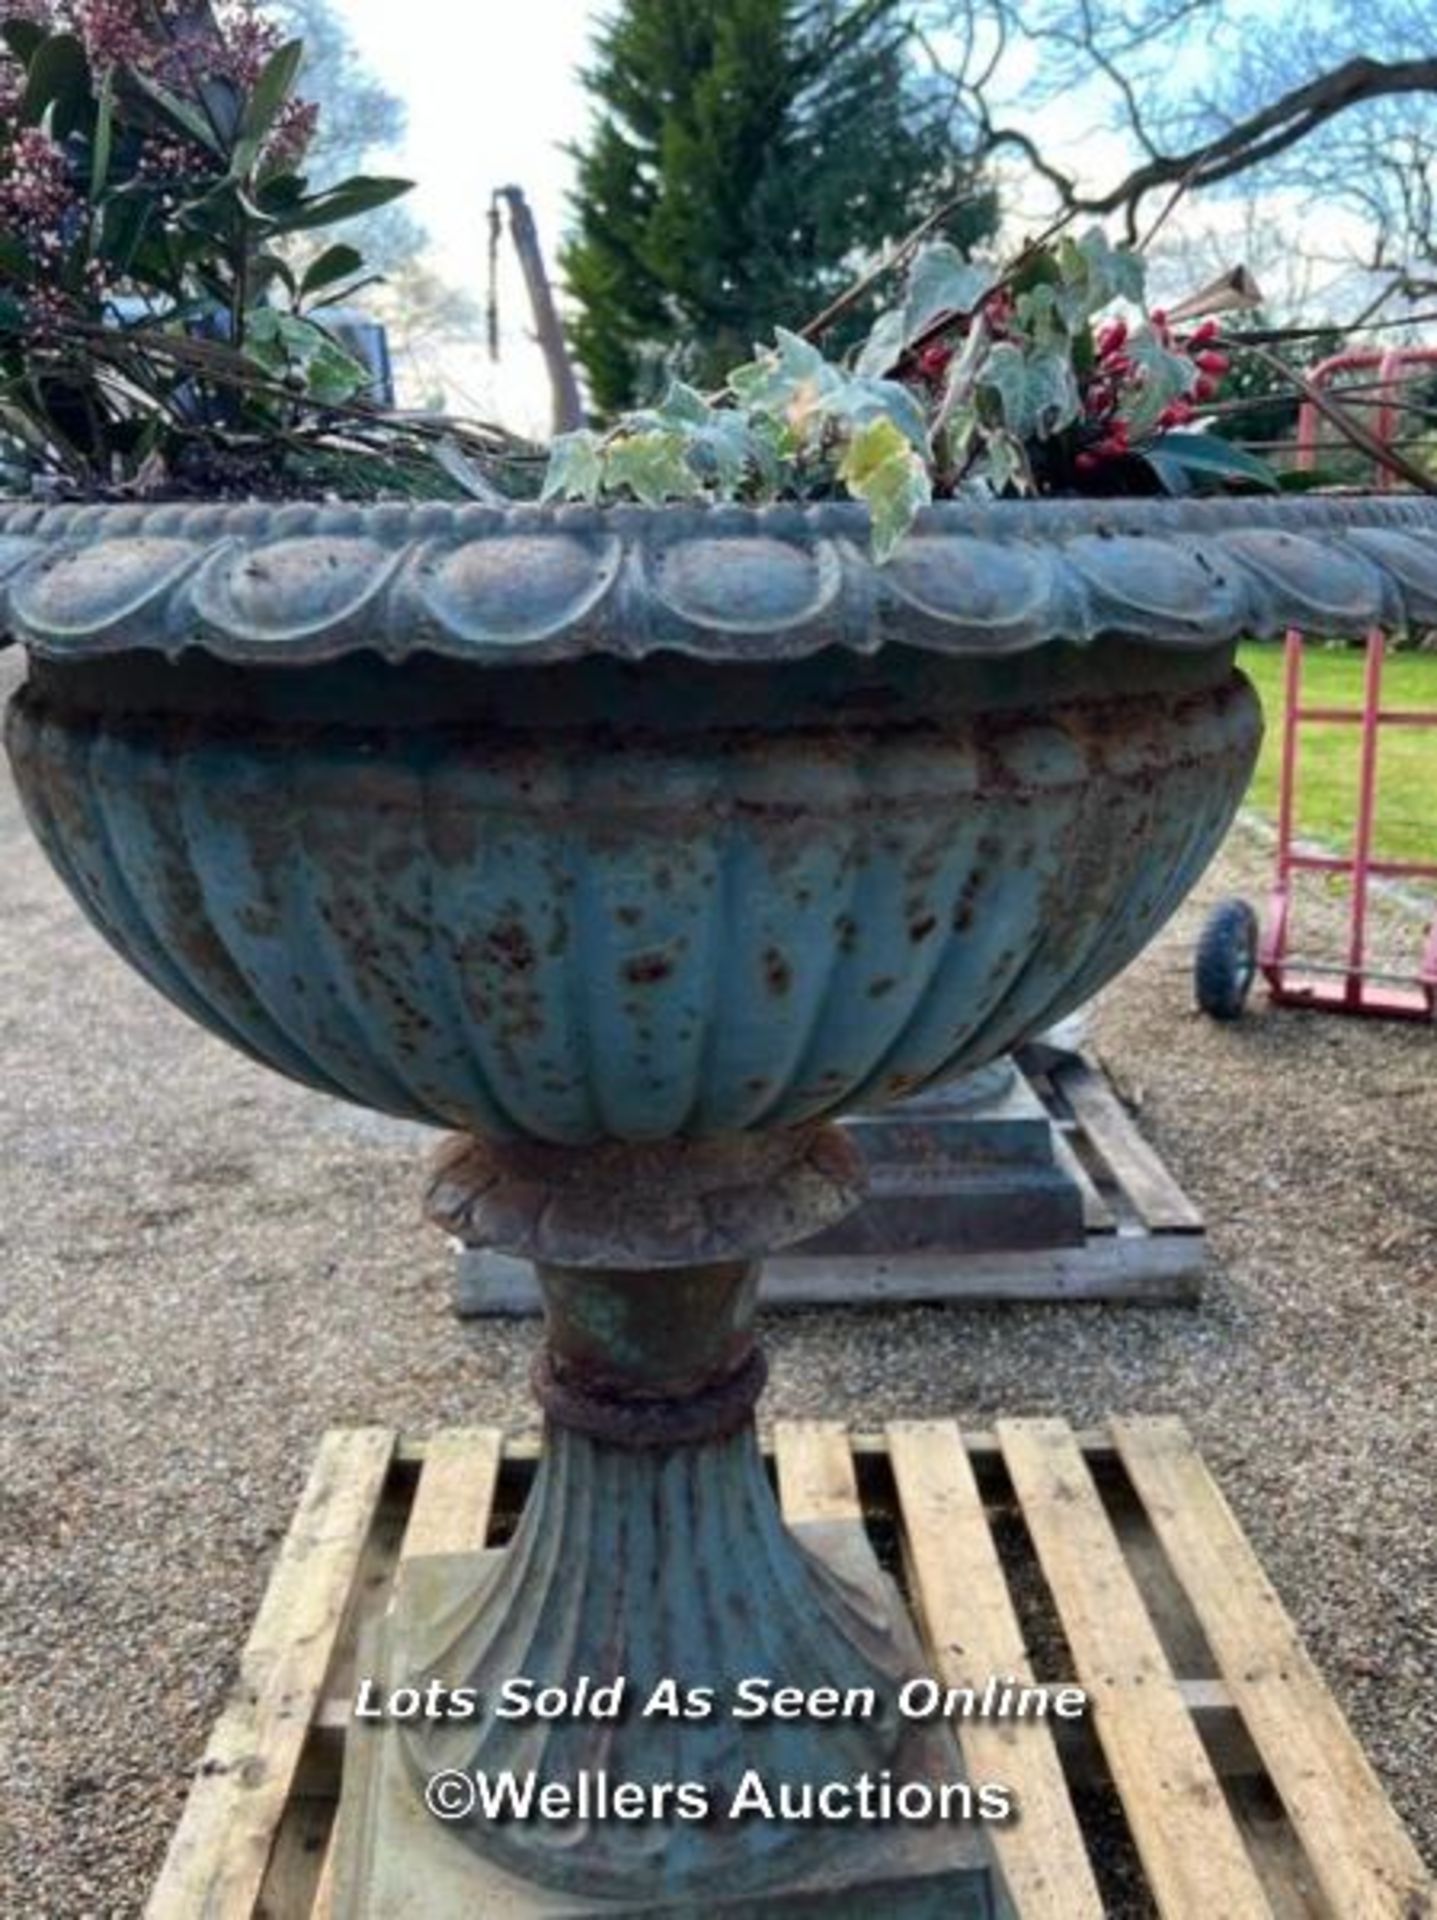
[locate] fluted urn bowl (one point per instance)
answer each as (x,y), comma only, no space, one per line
(574,826)
(633,846)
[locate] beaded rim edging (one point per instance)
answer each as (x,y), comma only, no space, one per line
(300,585)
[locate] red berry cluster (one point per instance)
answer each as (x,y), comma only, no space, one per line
(1198,346)
(1107,435)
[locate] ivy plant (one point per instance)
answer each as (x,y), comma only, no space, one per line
(976,382)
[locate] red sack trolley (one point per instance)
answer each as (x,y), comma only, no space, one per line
(1233,949)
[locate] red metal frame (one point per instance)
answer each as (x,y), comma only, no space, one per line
(1351,987)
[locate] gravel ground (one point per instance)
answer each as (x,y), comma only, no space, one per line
(205,1267)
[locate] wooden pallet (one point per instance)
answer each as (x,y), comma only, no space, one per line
(1144,1242)
(1215,1779)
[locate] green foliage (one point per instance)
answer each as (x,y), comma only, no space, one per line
(746,152)
(881,468)
(298,353)
(149,193)
(974,383)
(1204,462)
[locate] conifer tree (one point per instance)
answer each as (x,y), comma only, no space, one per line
(747,157)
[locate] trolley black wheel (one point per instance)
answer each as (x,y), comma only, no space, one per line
(1225,964)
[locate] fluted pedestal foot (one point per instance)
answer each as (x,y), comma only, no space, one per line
(671,1572)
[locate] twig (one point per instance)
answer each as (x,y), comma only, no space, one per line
(891,262)
(1271,336)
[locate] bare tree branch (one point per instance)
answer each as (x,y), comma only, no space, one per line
(1270,131)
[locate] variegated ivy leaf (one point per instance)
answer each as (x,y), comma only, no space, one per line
(1094,273)
(723,449)
(941,281)
(653,466)
(883,348)
(790,380)
(860,400)
(1036,391)
(961,426)
(882,469)
(576,467)
(1165,376)
(728,454)
(1003,464)
(684,406)
(284,344)
(1041,319)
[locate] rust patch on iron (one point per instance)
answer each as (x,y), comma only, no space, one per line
(646,969)
(777,973)
(510,947)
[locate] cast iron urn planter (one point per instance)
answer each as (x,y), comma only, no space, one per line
(633,847)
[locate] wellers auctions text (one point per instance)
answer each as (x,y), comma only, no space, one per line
(458,1794)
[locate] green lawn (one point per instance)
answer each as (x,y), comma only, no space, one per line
(1327,758)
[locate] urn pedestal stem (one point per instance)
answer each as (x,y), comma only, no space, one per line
(654,1592)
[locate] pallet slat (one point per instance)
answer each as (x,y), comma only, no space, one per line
(452,1507)
(1098,1216)
(1195,1862)
(816,1480)
(217,1860)
(455,1495)
(1156,1197)
(1362,1855)
(971,1632)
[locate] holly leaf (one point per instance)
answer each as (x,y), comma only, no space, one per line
(576,468)
(1202,462)
(882,469)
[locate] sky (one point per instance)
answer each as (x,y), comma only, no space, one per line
(493,93)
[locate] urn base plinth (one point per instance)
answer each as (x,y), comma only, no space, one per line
(787,1606)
